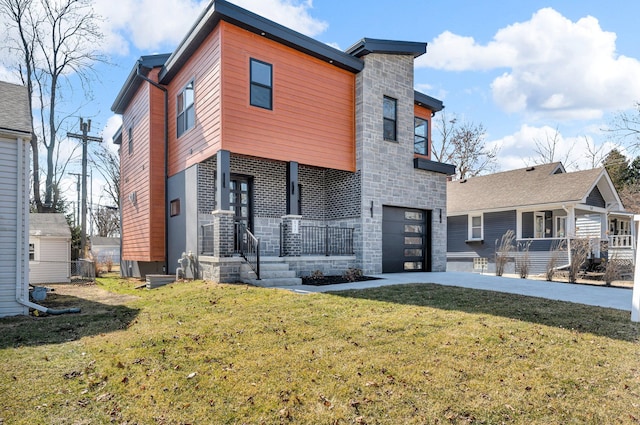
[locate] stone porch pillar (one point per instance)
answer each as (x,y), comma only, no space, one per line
(223,233)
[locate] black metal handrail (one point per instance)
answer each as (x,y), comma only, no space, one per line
(248,246)
(325,240)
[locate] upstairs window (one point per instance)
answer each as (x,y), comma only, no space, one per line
(186,110)
(420,140)
(261,84)
(130,140)
(389,107)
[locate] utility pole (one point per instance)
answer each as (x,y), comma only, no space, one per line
(86,128)
(77,210)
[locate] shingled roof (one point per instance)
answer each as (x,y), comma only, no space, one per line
(538,185)
(15,115)
(52,224)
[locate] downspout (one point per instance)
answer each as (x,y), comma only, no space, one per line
(21,243)
(166,161)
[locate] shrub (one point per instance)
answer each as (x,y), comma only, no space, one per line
(523,262)
(580,250)
(352,274)
(556,248)
(504,250)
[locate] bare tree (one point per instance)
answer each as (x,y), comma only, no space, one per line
(107,220)
(108,165)
(55,40)
(547,150)
(595,154)
(463,145)
(627,126)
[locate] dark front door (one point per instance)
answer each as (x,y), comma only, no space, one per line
(240,200)
(406,238)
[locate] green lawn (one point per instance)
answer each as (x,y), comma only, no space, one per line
(203,353)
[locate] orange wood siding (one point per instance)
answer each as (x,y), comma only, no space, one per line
(204,139)
(313,116)
(425,114)
(142,173)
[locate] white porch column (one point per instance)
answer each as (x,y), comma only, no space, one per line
(635,303)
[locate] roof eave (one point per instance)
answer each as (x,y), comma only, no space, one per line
(429,102)
(366,46)
(133,83)
(223,10)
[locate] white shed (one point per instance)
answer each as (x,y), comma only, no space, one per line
(15,134)
(49,249)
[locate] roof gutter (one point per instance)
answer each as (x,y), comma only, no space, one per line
(166,159)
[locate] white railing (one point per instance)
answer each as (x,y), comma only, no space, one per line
(621,241)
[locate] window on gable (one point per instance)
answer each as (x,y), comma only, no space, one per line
(186,109)
(420,140)
(261,84)
(389,113)
(475,227)
(130,140)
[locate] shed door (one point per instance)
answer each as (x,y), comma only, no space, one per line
(406,240)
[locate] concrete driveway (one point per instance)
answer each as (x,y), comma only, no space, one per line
(618,298)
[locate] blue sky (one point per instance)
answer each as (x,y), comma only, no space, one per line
(521,68)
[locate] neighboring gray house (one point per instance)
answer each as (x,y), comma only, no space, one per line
(104,249)
(544,205)
(15,134)
(49,249)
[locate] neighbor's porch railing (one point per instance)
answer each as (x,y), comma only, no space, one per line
(621,241)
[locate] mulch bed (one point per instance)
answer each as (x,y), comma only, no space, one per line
(333,280)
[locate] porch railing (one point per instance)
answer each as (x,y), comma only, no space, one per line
(325,240)
(621,241)
(248,246)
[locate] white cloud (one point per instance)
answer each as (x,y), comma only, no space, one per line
(555,68)
(518,150)
(161,24)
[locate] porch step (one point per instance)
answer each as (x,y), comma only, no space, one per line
(273,272)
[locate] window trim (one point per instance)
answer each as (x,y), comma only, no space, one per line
(36,250)
(174,207)
(394,121)
(258,84)
(426,136)
(556,227)
(536,215)
(181,115)
(471,227)
(130,134)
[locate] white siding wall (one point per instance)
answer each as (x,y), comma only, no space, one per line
(588,226)
(54,261)
(13,229)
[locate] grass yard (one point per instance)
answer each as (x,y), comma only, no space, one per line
(203,353)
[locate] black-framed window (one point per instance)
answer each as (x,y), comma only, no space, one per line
(261,84)
(174,207)
(389,112)
(420,136)
(186,109)
(130,140)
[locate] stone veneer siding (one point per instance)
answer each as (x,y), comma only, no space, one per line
(387,173)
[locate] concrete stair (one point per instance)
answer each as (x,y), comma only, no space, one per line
(274,271)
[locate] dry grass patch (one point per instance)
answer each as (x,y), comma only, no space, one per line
(205,353)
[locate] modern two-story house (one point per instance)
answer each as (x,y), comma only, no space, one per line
(253,143)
